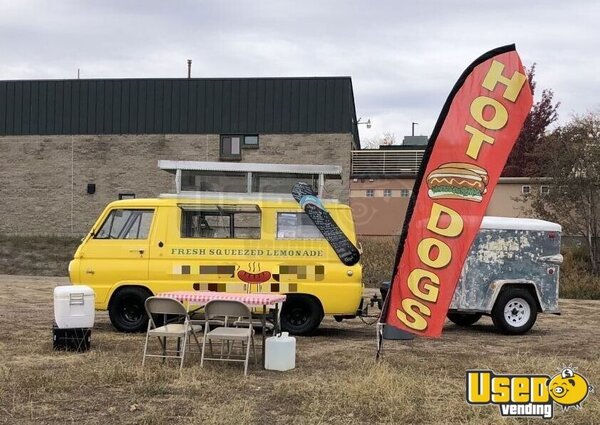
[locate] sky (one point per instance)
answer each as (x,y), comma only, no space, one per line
(403,56)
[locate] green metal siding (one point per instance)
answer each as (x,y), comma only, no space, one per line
(177,106)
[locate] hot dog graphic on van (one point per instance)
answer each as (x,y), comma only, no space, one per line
(253,275)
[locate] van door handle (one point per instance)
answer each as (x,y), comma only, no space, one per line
(139,250)
(89,271)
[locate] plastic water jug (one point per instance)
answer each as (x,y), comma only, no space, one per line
(280,352)
(74,306)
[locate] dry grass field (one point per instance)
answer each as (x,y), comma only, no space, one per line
(337,380)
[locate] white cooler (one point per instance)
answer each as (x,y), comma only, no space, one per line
(74,306)
(74,317)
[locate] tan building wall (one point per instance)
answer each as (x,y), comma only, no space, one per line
(381,215)
(43,179)
(505,203)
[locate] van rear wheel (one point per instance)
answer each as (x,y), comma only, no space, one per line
(301,315)
(126,309)
(515,311)
(464,319)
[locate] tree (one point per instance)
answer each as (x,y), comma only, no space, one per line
(542,114)
(571,158)
(384,139)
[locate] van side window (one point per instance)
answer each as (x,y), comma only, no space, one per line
(296,226)
(221,222)
(126,224)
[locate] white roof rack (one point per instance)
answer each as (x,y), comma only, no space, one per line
(245,167)
(233,196)
(252,170)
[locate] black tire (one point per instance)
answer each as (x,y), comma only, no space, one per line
(515,311)
(126,309)
(464,319)
(301,315)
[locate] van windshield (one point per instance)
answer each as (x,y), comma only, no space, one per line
(126,224)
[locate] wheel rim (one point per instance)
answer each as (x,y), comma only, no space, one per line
(517,312)
(297,316)
(131,310)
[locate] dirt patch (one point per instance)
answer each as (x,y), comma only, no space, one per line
(337,380)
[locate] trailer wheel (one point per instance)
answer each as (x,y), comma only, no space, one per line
(464,319)
(515,311)
(301,315)
(126,309)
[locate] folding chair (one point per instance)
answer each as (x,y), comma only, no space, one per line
(228,309)
(165,307)
(256,323)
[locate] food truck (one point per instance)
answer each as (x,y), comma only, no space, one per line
(510,274)
(217,242)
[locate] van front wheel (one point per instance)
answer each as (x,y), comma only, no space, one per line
(301,315)
(126,309)
(515,311)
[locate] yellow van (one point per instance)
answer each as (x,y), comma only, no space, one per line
(140,247)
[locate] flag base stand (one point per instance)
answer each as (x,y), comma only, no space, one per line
(389,332)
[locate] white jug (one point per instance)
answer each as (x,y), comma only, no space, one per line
(280,352)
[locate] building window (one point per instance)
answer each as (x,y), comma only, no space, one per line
(220,221)
(370,193)
(126,224)
(231,147)
(544,190)
(296,226)
(404,193)
(526,190)
(126,196)
(250,142)
(387,193)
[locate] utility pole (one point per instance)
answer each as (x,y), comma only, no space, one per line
(413,127)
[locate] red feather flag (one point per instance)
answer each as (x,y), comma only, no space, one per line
(468,149)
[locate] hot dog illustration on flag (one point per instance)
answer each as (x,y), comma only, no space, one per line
(467,151)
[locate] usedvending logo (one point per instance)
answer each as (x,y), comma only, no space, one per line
(527,395)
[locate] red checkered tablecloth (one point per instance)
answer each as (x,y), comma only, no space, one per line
(206,296)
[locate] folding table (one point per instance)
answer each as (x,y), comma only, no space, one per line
(252,299)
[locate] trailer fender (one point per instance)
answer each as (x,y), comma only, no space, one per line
(497,286)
